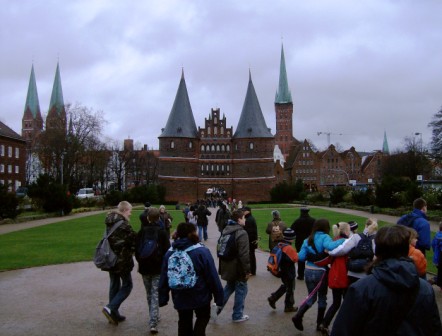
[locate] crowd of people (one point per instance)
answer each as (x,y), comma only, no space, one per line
(377,277)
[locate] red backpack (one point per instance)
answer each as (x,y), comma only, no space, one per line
(275,259)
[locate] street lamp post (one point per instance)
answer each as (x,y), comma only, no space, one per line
(421,168)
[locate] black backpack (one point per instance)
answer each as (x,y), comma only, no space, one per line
(361,254)
(226,247)
(148,248)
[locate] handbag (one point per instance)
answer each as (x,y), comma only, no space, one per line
(319,259)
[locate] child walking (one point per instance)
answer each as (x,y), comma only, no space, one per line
(288,273)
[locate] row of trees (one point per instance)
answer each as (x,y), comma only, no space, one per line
(77,156)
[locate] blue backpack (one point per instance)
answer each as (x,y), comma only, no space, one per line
(148,248)
(180,270)
(274,260)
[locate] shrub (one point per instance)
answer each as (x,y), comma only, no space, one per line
(8,203)
(337,194)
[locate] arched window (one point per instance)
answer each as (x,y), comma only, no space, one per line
(221,130)
(202,148)
(172,144)
(228,148)
(217,148)
(251,146)
(208,130)
(190,144)
(215,131)
(207,148)
(213,148)
(223,148)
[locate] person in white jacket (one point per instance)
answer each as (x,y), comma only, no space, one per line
(371,227)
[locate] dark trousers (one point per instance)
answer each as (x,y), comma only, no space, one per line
(286,288)
(185,321)
(301,268)
(338,295)
(252,248)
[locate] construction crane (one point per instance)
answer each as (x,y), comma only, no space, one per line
(328,134)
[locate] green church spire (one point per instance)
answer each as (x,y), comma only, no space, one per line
(32,102)
(385,148)
(57,101)
(283,94)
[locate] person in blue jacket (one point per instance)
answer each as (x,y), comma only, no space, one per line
(196,299)
(315,276)
(418,220)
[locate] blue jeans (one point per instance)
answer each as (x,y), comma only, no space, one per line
(312,278)
(240,289)
(119,290)
(151,284)
(202,229)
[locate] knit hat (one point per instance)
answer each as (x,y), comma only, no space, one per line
(305,210)
(275,214)
(147,205)
(289,234)
(353,225)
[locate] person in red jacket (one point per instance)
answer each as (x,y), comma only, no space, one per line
(337,277)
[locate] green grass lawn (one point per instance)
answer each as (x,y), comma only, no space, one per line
(75,240)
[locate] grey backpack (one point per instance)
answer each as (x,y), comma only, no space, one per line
(104,257)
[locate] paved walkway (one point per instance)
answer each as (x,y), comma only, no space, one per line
(67,300)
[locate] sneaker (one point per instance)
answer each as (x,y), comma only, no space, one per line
(242,319)
(121,318)
(290,309)
(271,302)
(110,315)
(153,330)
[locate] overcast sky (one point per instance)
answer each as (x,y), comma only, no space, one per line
(355,68)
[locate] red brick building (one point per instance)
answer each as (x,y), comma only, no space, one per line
(12,158)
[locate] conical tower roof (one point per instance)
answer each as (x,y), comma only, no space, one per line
(32,102)
(57,100)
(283,94)
(251,122)
(385,148)
(181,122)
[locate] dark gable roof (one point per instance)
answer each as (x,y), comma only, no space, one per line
(251,122)
(6,132)
(181,123)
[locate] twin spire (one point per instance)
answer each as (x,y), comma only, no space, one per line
(181,122)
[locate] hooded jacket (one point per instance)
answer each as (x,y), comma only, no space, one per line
(418,220)
(207,284)
(303,227)
(122,242)
(236,269)
(393,300)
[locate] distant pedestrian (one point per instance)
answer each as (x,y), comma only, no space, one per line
(418,220)
(143,216)
(252,231)
(302,227)
(288,273)
(150,266)
(236,271)
(275,228)
(392,299)
(122,243)
(197,298)
(222,216)
(202,221)
(166,219)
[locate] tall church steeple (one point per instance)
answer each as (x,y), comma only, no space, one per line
(385,148)
(56,113)
(284,110)
(32,122)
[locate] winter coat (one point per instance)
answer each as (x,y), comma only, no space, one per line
(274,222)
(337,275)
(236,269)
(252,231)
(437,247)
(207,285)
(152,265)
(345,248)
(385,303)
(288,260)
(122,242)
(421,225)
(202,214)
(322,242)
(303,227)
(419,260)
(222,217)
